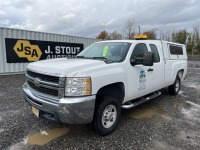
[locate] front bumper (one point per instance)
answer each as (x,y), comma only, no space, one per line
(78,110)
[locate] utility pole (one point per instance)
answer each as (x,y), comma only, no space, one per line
(139,29)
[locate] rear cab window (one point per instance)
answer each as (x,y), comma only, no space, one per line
(176,51)
(154,49)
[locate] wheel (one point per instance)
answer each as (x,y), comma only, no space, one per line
(106,116)
(175,87)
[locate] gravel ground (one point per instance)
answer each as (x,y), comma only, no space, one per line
(166,122)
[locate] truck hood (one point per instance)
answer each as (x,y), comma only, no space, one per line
(64,66)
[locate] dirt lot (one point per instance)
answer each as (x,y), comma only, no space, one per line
(166,122)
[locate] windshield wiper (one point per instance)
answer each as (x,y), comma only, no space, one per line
(100,58)
(103,58)
(84,57)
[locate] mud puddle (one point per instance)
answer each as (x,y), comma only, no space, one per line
(190,136)
(1,130)
(189,109)
(192,85)
(148,113)
(46,136)
(180,106)
(182,93)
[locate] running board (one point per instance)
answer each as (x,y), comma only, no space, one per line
(143,99)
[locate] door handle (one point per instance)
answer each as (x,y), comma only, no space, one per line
(150,69)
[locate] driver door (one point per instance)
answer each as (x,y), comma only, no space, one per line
(138,75)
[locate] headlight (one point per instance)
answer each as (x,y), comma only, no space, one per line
(78,86)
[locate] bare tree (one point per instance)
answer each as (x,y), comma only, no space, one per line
(128,29)
(168,36)
(196,30)
(165,35)
(115,36)
(190,43)
(196,35)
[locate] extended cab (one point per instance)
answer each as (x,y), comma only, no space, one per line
(102,79)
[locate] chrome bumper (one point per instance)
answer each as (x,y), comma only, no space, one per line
(78,110)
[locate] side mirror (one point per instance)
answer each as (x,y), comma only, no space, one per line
(146,60)
(133,62)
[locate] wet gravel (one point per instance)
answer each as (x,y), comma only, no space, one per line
(174,125)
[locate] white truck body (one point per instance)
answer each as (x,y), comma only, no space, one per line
(136,80)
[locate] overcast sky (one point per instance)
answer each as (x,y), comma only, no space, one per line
(90,17)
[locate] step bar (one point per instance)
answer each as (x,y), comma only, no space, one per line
(143,99)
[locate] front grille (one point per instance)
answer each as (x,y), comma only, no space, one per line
(46,78)
(43,90)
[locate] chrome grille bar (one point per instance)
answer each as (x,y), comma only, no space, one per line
(46,85)
(43,77)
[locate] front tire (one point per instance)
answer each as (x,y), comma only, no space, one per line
(175,87)
(107,116)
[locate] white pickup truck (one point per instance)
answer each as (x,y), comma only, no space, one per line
(102,79)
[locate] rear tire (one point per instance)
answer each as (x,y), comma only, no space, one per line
(106,116)
(175,87)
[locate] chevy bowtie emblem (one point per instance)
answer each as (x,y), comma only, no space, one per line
(36,82)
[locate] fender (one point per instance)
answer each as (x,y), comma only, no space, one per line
(105,75)
(176,67)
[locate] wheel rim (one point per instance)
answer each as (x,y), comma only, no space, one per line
(109,116)
(177,85)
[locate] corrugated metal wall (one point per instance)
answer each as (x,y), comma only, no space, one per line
(7,68)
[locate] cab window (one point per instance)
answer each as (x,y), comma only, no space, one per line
(139,50)
(156,54)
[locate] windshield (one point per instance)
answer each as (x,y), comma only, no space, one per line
(110,51)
